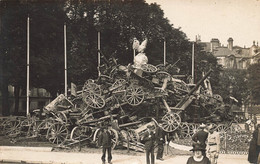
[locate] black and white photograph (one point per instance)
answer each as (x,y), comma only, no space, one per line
(129,81)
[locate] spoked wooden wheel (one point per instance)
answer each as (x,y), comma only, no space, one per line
(81,132)
(43,127)
(12,128)
(170,122)
(118,86)
(94,101)
(91,88)
(148,68)
(61,117)
(57,133)
(134,95)
(185,130)
(193,128)
(222,129)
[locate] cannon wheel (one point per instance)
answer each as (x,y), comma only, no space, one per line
(148,68)
(83,132)
(114,135)
(193,128)
(134,95)
(94,101)
(43,127)
(91,88)
(222,129)
(57,133)
(170,122)
(185,130)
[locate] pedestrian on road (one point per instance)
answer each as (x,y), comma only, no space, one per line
(105,141)
(201,136)
(213,146)
(149,139)
(160,140)
(198,157)
(254,147)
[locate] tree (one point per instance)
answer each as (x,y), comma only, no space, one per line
(254,82)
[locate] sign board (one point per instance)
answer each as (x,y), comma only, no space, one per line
(73,90)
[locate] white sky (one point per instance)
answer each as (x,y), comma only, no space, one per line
(239,19)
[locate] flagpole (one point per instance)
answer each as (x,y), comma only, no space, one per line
(65,60)
(164,52)
(28,68)
(98,52)
(192,63)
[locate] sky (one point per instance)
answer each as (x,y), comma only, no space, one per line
(221,19)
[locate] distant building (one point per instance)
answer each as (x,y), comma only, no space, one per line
(232,56)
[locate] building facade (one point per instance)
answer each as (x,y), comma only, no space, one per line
(231,56)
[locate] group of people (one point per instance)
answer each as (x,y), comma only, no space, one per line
(206,146)
(150,139)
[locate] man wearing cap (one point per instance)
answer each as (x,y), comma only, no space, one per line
(198,157)
(201,136)
(105,141)
(149,139)
(213,145)
(160,140)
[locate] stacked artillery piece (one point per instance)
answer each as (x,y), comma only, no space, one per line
(124,97)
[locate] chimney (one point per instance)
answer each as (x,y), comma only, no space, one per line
(230,44)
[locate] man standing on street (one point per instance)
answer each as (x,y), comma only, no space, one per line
(213,145)
(201,136)
(105,141)
(160,140)
(149,139)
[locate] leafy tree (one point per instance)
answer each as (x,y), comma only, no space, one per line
(254,82)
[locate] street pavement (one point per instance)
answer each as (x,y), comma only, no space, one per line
(44,155)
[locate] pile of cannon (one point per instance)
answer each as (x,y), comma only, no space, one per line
(127,98)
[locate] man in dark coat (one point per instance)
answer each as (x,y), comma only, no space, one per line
(254,147)
(149,139)
(201,136)
(160,140)
(105,141)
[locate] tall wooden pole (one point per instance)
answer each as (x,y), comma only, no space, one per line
(65,61)
(192,63)
(28,68)
(164,52)
(98,52)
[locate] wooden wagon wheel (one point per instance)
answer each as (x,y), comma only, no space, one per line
(134,95)
(160,67)
(170,122)
(12,128)
(184,130)
(57,133)
(91,88)
(61,117)
(81,132)
(118,85)
(43,127)
(193,128)
(94,101)
(148,68)
(113,133)
(222,129)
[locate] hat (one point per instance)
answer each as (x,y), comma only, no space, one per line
(202,126)
(197,147)
(149,126)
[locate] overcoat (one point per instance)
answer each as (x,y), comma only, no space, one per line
(252,156)
(148,141)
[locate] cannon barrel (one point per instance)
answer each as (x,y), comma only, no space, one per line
(187,99)
(199,82)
